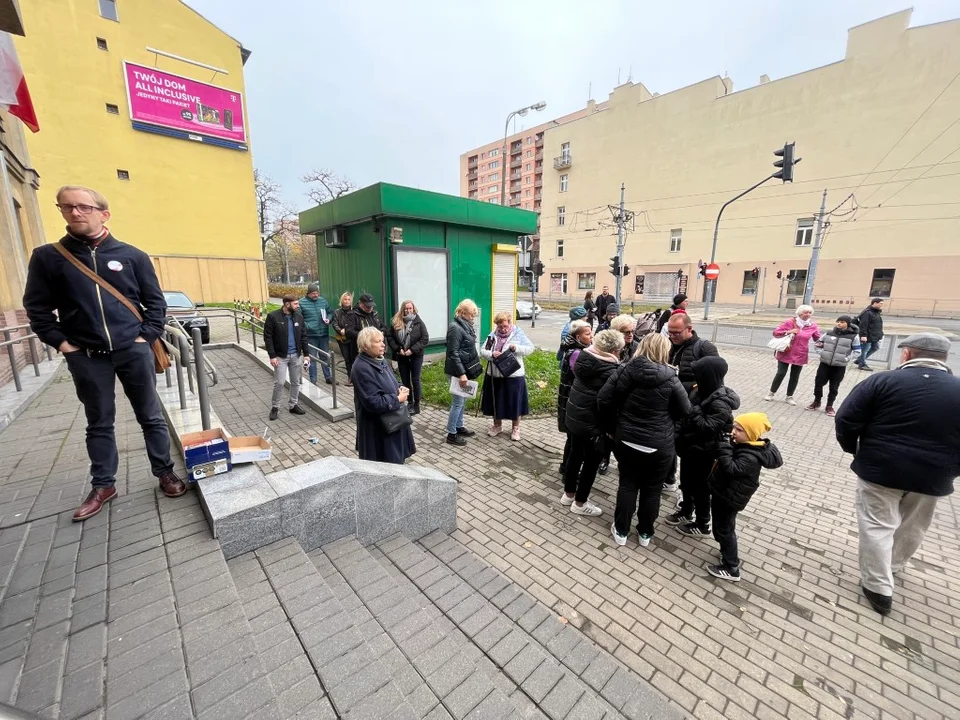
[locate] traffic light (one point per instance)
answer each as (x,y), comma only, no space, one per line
(680,273)
(538,268)
(625,270)
(779,274)
(785,164)
(615,265)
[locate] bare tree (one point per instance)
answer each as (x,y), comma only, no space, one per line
(269,206)
(324,186)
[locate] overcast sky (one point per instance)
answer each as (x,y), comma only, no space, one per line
(395,91)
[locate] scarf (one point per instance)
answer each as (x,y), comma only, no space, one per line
(927,363)
(601,355)
(502,335)
(403,334)
(802,323)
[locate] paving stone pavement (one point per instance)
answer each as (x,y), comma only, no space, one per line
(794,639)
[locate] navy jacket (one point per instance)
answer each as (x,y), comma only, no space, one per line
(87,315)
(903,429)
(375,391)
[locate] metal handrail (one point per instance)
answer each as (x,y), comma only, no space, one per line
(9,342)
(177,329)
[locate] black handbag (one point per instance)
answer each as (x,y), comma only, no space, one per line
(395,420)
(507,363)
(473,370)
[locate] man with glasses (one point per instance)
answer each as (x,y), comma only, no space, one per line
(100,338)
(688,347)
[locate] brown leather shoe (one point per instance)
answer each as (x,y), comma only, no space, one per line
(94,503)
(171,485)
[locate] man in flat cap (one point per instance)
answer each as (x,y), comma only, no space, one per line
(903,430)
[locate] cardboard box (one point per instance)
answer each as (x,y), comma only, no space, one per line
(203,448)
(199,472)
(248,449)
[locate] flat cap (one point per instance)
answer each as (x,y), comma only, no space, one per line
(927,341)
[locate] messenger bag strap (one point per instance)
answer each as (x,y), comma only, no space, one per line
(97,279)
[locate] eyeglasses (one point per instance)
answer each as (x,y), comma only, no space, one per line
(675,332)
(82,209)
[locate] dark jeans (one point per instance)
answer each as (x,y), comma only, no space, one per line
(323,343)
(833,375)
(781,373)
(95,381)
(866,350)
(409,368)
(695,468)
(566,452)
(641,476)
(349,352)
(725,532)
(582,464)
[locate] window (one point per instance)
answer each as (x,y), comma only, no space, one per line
(108,9)
(749,283)
(101,43)
(561,215)
(526,180)
(559,248)
(882,283)
(529,153)
(586,281)
(565,150)
(529,167)
(796,282)
(493,189)
(558,283)
(123,174)
(804,232)
(494,165)
(563,183)
(494,200)
(494,152)
(529,192)
(493,176)
(113,109)
(675,240)
(529,141)
(482,156)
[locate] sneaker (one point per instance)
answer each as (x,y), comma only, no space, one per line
(619,539)
(463,432)
(769,396)
(678,518)
(274,413)
(831,412)
(671,487)
(515,434)
(724,572)
(588,508)
(604,466)
(457,440)
(565,499)
(645,540)
(297,410)
(693,530)
(883,604)
(790,400)
(328,381)
(494,431)
(865,367)
(814,406)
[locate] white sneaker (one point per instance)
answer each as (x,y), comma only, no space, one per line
(619,539)
(588,508)
(645,540)
(564,500)
(769,396)
(790,400)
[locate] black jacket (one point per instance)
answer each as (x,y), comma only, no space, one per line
(628,350)
(736,474)
(567,348)
(602,301)
(683,356)
(665,317)
(710,418)
(641,402)
(87,315)
(339,320)
(590,374)
(416,341)
(463,355)
(903,429)
(275,334)
(871,324)
(356,320)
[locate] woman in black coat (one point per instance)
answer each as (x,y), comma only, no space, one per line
(463,363)
(376,392)
(639,406)
(407,337)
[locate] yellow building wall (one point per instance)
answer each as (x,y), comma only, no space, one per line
(684,153)
(189,205)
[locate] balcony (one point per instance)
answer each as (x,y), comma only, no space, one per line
(514,201)
(472,185)
(473,162)
(538,184)
(539,143)
(539,156)
(562,162)
(516,163)
(516,148)
(537,197)
(472,174)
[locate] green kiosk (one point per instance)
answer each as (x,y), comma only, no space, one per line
(399,244)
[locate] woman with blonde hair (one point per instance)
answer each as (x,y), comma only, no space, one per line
(407,337)
(338,323)
(505,398)
(376,393)
(463,363)
(639,406)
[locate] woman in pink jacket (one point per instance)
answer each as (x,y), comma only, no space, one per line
(803,329)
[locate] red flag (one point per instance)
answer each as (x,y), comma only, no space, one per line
(14,94)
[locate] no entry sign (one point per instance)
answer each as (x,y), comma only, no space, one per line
(712,272)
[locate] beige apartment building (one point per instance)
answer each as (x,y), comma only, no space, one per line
(878,130)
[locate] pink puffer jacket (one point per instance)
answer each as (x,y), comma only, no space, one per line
(799,351)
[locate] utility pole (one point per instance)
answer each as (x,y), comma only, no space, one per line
(815,255)
(763,289)
(756,292)
(621,240)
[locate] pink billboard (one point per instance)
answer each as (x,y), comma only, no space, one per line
(171,101)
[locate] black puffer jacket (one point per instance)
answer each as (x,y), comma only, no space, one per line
(684,356)
(641,402)
(871,324)
(701,431)
(736,475)
(567,348)
(463,355)
(590,373)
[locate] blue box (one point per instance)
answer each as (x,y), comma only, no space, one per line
(205,448)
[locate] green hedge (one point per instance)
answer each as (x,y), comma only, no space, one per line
(278,290)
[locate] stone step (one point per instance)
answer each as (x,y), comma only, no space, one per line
(467,684)
(561,670)
(338,659)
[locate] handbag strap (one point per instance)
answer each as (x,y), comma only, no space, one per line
(97,279)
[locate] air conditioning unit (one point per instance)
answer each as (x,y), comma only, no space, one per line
(335,237)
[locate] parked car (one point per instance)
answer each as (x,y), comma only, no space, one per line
(184,310)
(525,310)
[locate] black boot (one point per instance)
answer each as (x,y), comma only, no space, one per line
(416,409)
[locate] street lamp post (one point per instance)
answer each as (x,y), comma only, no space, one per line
(503,152)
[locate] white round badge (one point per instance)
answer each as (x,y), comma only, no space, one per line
(115,266)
